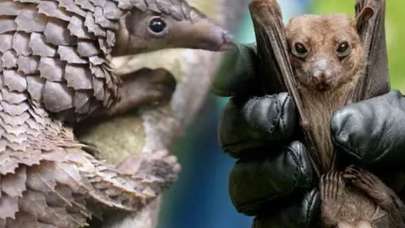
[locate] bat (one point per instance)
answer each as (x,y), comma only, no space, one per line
(273,51)
(280,62)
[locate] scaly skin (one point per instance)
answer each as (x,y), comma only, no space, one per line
(54,67)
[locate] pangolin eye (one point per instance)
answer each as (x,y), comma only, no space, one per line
(300,50)
(157,25)
(343,49)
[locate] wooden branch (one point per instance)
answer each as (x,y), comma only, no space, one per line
(146,132)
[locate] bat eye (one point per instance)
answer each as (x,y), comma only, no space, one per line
(343,49)
(300,50)
(157,26)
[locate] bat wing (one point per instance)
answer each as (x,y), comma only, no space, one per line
(272,51)
(371,18)
(271,44)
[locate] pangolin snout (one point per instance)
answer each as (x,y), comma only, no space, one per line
(228,42)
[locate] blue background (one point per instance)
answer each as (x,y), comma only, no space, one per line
(200,199)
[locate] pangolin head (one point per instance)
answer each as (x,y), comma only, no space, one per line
(156,24)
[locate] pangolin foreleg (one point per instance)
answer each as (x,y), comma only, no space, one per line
(48,180)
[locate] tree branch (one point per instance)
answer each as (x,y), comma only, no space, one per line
(147,131)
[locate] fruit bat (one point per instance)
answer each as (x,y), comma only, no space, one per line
(273,50)
(353,197)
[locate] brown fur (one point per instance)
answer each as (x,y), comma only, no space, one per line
(326,79)
(321,35)
(356,198)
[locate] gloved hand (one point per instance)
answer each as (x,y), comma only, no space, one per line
(372,132)
(273,178)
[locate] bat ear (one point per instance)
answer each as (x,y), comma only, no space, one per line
(363,17)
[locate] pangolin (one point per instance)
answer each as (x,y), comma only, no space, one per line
(328,59)
(54,70)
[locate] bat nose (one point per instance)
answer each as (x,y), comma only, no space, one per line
(322,79)
(322,70)
(322,75)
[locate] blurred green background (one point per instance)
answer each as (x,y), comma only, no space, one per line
(200,199)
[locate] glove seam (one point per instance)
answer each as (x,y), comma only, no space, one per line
(298,164)
(282,124)
(274,123)
(249,108)
(300,168)
(264,200)
(346,149)
(308,209)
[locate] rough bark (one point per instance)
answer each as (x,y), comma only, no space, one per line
(146,131)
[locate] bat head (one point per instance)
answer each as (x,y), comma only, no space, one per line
(325,51)
(148,30)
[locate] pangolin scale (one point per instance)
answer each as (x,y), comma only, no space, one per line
(54,66)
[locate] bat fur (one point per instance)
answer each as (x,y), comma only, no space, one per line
(328,59)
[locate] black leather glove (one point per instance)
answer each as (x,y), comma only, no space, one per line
(273,178)
(372,132)
(257,122)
